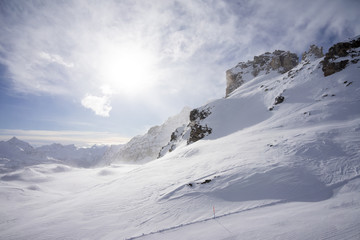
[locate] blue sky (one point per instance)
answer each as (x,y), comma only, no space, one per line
(88,72)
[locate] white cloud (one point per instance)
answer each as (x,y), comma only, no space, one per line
(79,138)
(56,59)
(100,105)
(158,54)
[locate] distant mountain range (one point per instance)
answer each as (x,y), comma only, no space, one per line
(15,153)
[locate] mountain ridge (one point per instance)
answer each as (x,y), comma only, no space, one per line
(312,61)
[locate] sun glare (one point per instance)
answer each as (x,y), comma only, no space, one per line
(128,69)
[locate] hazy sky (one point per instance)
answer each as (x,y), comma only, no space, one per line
(103,71)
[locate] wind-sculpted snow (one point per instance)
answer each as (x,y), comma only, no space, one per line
(26,175)
(282,183)
(266,171)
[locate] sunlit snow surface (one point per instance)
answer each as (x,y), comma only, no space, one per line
(289,173)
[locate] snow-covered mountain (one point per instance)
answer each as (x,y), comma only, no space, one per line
(15,154)
(146,147)
(278,158)
(72,155)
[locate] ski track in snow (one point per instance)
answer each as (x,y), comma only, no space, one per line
(204,220)
(353,230)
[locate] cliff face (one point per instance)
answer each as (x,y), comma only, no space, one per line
(279,61)
(340,55)
(313,53)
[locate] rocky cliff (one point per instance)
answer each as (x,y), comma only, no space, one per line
(190,133)
(278,61)
(285,69)
(340,55)
(314,52)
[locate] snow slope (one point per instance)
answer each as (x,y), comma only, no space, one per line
(146,147)
(292,172)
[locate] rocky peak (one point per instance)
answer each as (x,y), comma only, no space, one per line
(23,146)
(313,53)
(340,55)
(279,61)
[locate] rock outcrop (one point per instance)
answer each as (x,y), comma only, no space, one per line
(279,61)
(279,99)
(198,131)
(190,133)
(313,53)
(340,55)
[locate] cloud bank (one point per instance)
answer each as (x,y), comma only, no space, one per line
(79,138)
(159,55)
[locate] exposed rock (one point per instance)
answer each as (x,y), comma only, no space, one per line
(206,181)
(198,131)
(333,67)
(279,61)
(313,52)
(190,133)
(176,137)
(233,81)
(195,114)
(279,99)
(331,62)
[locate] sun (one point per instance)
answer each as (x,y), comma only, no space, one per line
(128,69)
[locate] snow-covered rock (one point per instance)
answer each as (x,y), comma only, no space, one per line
(189,133)
(313,53)
(340,55)
(277,62)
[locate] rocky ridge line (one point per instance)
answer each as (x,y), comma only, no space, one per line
(279,61)
(334,61)
(332,64)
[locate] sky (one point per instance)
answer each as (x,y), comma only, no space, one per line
(100,72)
